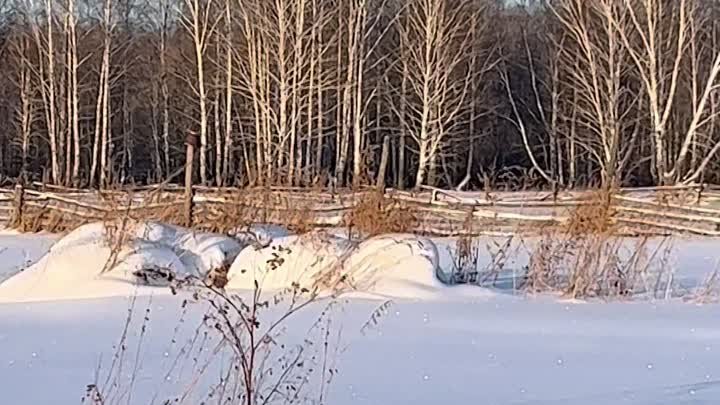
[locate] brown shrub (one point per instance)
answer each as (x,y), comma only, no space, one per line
(587,259)
(594,217)
(300,220)
(465,255)
(225,218)
(375,215)
(593,265)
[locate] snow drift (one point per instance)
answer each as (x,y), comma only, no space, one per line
(96,260)
(395,265)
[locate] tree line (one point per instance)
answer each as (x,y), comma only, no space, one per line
(403,93)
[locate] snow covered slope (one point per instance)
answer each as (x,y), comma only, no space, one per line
(89,262)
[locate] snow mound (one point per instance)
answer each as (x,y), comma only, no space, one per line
(286,260)
(394,265)
(96,260)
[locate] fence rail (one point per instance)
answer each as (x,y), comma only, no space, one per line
(666,210)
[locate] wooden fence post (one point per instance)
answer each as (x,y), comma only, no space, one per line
(699,194)
(18,208)
(191,142)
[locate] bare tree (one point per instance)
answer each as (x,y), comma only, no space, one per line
(200,22)
(102,139)
(278,74)
(288,91)
(658,40)
(595,62)
(73,90)
(227,162)
(435,40)
(26,111)
(45,45)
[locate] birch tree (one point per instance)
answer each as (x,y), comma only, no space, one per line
(45,45)
(435,39)
(595,61)
(277,75)
(227,162)
(73,113)
(102,136)
(24,114)
(658,40)
(200,22)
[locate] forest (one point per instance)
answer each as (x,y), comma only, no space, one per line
(462,94)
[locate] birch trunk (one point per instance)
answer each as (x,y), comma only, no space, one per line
(216,125)
(26,109)
(200,28)
(164,89)
(51,103)
(73,102)
(228,161)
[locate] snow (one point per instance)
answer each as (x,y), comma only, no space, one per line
(96,260)
(394,265)
(19,251)
(83,264)
(431,344)
(498,350)
(300,259)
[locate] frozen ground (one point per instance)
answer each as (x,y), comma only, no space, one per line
(458,345)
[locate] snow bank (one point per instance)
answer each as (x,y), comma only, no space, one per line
(82,264)
(286,260)
(391,265)
(86,263)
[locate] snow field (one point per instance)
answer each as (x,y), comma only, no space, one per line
(492,350)
(431,344)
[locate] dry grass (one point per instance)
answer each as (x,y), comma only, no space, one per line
(227,218)
(301,220)
(243,209)
(593,218)
(118,235)
(709,291)
(119,232)
(376,215)
(465,255)
(587,259)
(45,218)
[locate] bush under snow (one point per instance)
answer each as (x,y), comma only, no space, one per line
(97,260)
(396,265)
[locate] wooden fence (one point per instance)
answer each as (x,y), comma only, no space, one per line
(670,210)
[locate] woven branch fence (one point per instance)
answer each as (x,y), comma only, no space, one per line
(650,211)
